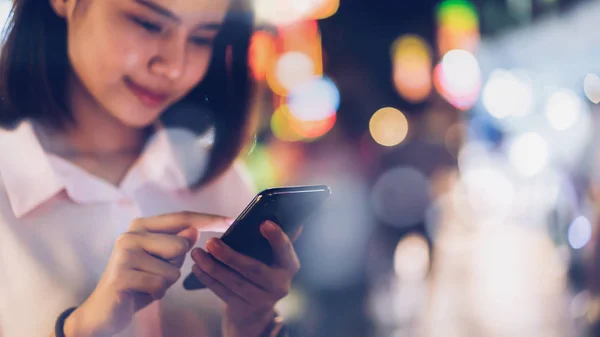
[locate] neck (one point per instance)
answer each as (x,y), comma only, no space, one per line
(95,132)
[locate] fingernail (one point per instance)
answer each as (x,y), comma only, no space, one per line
(196,255)
(213,245)
(271,226)
(267,227)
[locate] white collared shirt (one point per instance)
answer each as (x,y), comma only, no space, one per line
(58,225)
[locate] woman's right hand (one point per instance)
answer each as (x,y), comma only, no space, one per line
(145,262)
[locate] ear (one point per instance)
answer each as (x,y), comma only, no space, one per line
(60,7)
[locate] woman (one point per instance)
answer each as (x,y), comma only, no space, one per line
(95,217)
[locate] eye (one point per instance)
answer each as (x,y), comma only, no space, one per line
(147,25)
(201,41)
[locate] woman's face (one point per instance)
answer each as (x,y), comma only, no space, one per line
(137,57)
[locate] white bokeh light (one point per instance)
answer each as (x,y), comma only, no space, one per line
(489,190)
(563,109)
(303,7)
(508,93)
(580,233)
(529,154)
(294,68)
(461,73)
(411,258)
(314,100)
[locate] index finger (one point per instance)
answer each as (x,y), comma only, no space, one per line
(173,223)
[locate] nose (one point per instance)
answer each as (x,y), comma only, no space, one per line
(169,60)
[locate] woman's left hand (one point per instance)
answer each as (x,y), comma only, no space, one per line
(249,287)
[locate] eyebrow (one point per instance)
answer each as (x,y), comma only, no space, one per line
(158,9)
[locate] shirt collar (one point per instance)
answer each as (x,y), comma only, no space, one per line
(31,176)
(28,176)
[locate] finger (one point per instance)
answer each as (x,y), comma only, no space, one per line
(296,235)
(231,280)
(142,261)
(165,246)
(174,223)
(283,250)
(135,281)
(220,290)
(190,234)
(254,270)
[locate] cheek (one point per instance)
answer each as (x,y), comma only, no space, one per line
(195,70)
(102,53)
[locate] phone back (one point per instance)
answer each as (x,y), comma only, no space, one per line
(287,207)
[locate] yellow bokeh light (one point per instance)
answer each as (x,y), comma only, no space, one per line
(281,125)
(412,67)
(388,126)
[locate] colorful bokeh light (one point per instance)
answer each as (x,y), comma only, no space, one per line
(458,26)
(458,15)
(287,127)
(299,57)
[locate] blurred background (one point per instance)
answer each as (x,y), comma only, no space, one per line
(459,139)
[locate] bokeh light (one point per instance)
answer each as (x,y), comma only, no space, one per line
(458,14)
(412,67)
(316,9)
(458,26)
(294,68)
(299,57)
(580,233)
(458,78)
(261,54)
(314,100)
(529,154)
(281,125)
(563,109)
(508,93)
(591,86)
(489,190)
(312,130)
(400,197)
(277,12)
(287,127)
(411,258)
(262,168)
(388,126)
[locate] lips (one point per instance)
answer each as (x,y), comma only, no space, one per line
(150,98)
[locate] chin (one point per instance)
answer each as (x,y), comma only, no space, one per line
(138,118)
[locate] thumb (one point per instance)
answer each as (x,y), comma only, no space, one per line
(191,235)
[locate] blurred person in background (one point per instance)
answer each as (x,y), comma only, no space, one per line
(99,204)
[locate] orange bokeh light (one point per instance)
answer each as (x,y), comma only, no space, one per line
(261,54)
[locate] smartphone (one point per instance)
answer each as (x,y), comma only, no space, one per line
(289,207)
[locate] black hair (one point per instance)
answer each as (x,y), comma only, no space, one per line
(34,67)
